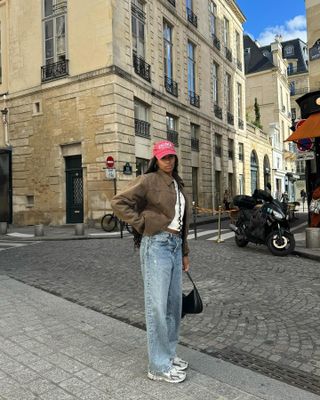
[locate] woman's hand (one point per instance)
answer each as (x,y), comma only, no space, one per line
(185,263)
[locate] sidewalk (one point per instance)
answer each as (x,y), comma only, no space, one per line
(52,349)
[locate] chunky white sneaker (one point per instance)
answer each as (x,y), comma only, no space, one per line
(180,364)
(172,376)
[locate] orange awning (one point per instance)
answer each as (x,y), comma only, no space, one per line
(309,129)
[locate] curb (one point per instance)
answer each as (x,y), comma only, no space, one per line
(304,254)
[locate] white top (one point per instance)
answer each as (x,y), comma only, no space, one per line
(175,222)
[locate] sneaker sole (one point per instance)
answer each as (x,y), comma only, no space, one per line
(165,379)
(180,368)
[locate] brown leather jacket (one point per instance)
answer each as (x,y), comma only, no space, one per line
(148,204)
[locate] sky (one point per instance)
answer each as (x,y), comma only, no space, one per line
(267,18)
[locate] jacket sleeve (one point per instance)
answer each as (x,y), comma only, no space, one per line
(129,202)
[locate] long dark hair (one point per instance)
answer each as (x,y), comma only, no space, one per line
(153,167)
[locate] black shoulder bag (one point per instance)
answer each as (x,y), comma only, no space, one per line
(191,303)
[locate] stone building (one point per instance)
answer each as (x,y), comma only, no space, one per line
(313,28)
(87,80)
(268,106)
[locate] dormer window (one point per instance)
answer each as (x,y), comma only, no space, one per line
(266,53)
(289,50)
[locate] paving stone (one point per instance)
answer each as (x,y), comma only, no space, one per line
(57,394)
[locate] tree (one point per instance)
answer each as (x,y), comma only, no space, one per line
(257,121)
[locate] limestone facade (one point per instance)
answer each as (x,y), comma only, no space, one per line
(77,89)
(313,15)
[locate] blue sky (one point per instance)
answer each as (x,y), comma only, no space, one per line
(267,18)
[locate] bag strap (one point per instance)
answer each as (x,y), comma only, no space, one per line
(189,276)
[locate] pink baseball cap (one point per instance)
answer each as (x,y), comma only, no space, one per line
(163,148)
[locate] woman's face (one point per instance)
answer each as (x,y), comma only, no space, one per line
(166,164)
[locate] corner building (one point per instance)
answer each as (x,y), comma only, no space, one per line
(86,80)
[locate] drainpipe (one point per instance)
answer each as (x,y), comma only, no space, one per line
(4,113)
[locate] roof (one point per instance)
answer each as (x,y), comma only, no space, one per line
(255,60)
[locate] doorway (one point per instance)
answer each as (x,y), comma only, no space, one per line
(74,190)
(5,186)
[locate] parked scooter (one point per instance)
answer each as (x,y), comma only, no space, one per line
(262,221)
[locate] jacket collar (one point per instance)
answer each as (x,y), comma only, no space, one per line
(167,178)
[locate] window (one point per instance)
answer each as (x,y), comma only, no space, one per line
(217,145)
(167,45)
(238,46)
(215,83)
(293,114)
(292,88)
(289,50)
(239,100)
(141,166)
(191,68)
(226,37)
(213,18)
(138,28)
(241,152)
(54,28)
(141,119)
(230,149)
(194,137)
(290,68)
(228,92)
(172,129)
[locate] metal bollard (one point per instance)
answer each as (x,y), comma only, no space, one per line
(219,240)
(312,238)
(3,228)
(38,230)
(79,229)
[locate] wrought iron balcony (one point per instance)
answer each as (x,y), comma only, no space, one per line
(240,123)
(171,86)
(142,128)
(218,111)
(230,118)
(216,42)
(194,144)
(228,54)
(141,67)
(55,70)
(239,65)
(173,137)
(194,99)
(192,17)
(172,2)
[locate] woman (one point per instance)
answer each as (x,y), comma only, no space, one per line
(315,217)
(156,206)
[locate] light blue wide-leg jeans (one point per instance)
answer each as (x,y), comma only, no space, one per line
(161,265)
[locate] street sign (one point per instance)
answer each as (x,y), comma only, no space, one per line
(111,173)
(109,162)
(307,155)
(305,144)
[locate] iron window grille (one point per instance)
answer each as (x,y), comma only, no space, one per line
(141,67)
(172,2)
(192,17)
(142,128)
(173,136)
(194,99)
(230,118)
(240,123)
(55,70)
(228,54)
(194,144)
(218,111)
(216,42)
(171,86)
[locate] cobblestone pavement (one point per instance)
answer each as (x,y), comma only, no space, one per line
(257,304)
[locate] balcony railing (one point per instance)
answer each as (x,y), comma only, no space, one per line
(218,111)
(228,54)
(55,71)
(230,118)
(240,123)
(172,2)
(294,91)
(171,86)
(194,99)
(194,144)
(192,17)
(216,42)
(239,65)
(142,128)
(141,67)
(173,137)
(296,70)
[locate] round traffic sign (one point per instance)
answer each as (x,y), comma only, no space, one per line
(305,144)
(109,162)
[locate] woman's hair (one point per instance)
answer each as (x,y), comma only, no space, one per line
(153,167)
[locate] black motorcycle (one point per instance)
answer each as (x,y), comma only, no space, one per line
(262,221)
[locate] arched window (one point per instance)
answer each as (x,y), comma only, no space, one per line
(254,168)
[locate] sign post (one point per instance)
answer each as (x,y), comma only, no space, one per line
(111,173)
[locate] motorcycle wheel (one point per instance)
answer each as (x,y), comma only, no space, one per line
(281,246)
(240,241)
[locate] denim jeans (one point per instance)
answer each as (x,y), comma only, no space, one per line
(161,265)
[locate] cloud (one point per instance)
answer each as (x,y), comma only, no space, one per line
(292,29)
